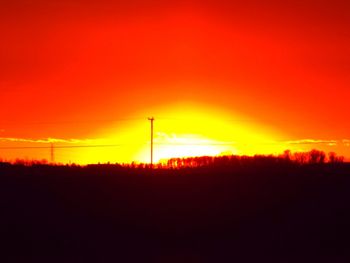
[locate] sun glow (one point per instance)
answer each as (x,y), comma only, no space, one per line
(181,130)
(185,130)
(185,145)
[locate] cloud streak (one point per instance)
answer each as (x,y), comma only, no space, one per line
(163,138)
(47,140)
(346,142)
(313,141)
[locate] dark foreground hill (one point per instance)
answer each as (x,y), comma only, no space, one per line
(255,213)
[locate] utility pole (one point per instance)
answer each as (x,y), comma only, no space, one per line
(151,119)
(52,153)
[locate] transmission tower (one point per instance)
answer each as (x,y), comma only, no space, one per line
(52,150)
(151,119)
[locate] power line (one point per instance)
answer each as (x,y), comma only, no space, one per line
(61,147)
(79,121)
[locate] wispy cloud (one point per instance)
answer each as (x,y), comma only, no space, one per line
(47,140)
(346,142)
(313,141)
(164,138)
(189,139)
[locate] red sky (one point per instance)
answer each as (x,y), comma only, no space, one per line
(68,69)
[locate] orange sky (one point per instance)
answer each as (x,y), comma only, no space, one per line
(91,72)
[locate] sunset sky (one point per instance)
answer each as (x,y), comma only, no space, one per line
(220,77)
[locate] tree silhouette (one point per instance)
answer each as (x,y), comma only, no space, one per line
(316,156)
(333,158)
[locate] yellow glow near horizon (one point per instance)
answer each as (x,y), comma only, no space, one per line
(183,130)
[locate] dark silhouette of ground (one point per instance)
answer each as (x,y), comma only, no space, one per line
(264,211)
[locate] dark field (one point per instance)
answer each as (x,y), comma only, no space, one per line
(254,213)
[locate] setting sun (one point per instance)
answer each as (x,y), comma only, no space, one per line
(184,130)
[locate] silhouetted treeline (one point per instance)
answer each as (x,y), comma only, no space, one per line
(311,157)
